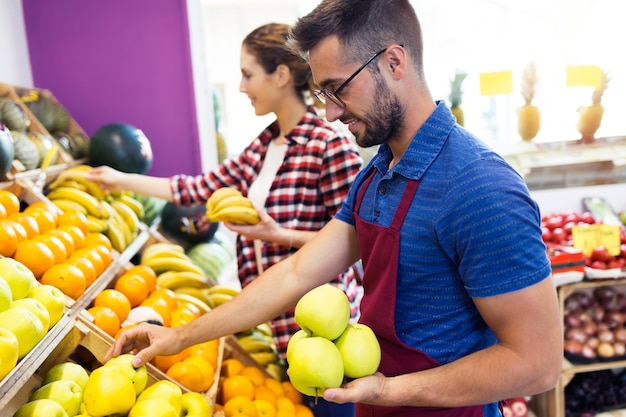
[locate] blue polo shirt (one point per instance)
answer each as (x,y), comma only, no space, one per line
(472,231)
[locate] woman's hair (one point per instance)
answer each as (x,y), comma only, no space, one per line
(268,43)
(362,28)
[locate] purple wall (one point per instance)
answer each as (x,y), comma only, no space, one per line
(120,61)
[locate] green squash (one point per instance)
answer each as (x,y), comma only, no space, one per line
(13,116)
(26,151)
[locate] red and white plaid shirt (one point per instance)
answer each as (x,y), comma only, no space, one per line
(319,167)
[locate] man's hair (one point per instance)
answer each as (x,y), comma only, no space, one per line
(362,28)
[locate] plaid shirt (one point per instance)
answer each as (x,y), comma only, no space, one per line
(319,167)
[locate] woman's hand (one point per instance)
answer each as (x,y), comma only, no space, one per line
(108,178)
(266,229)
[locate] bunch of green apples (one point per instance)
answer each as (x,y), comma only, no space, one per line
(329,348)
(27,311)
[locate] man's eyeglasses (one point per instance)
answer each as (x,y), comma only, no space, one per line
(325,93)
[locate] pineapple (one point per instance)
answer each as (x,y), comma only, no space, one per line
(455,97)
(528,117)
(590,117)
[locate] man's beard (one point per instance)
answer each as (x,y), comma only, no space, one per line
(383,123)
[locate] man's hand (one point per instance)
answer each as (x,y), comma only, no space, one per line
(362,390)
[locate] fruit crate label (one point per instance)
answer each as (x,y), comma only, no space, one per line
(588,238)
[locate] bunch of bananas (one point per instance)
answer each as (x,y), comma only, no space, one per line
(117,215)
(258,343)
(228,205)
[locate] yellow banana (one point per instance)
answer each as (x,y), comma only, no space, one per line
(177,279)
(153,249)
(69,205)
(91,204)
(127,214)
(96,224)
(50,157)
(161,265)
(199,293)
(117,237)
(78,175)
(223,289)
(265,329)
(235,214)
(132,203)
(235,200)
(218,299)
(186,298)
(218,195)
(129,235)
(107,210)
(265,358)
(253,344)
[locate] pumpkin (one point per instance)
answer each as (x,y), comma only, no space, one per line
(13,116)
(44,144)
(50,114)
(26,151)
(7,150)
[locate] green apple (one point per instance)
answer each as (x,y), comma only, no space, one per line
(154,407)
(108,391)
(164,389)
(67,371)
(139,376)
(51,297)
(324,311)
(300,334)
(25,326)
(67,393)
(41,408)
(6,295)
(37,309)
(9,352)
(315,364)
(195,404)
(359,349)
(18,276)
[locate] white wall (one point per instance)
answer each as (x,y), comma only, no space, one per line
(14,60)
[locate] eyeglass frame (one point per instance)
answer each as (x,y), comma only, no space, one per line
(324,93)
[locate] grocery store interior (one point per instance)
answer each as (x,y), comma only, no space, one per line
(171,68)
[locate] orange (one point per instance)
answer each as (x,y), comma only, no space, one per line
(263,392)
(20,231)
(237,385)
(208,350)
(28,222)
(147,273)
(164,362)
(56,246)
(39,205)
(74,218)
(161,306)
(3,212)
(97,238)
(303,411)
(77,235)
(231,367)
(66,238)
(181,316)
(239,406)
(85,265)
(134,287)
(206,369)
(167,295)
(10,202)
(93,256)
(115,300)
(105,253)
(68,278)
(8,239)
(276,386)
(105,319)
(291,392)
(264,408)
(285,403)
(35,255)
(254,374)
(189,375)
(44,218)
(284,412)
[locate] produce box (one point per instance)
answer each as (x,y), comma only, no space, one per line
(568,264)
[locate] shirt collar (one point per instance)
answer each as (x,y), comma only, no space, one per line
(299,134)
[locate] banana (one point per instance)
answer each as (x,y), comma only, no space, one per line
(127,214)
(69,205)
(235,200)
(161,265)
(177,279)
(218,195)
(107,210)
(50,157)
(186,298)
(222,289)
(91,204)
(265,358)
(96,224)
(154,249)
(132,203)
(78,174)
(218,299)
(254,344)
(234,214)
(117,237)
(199,293)
(265,329)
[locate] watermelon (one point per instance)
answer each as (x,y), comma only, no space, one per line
(120,146)
(187,224)
(7,150)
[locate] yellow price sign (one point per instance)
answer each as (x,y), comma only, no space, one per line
(494,83)
(583,75)
(587,238)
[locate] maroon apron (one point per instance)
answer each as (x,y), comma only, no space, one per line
(380,253)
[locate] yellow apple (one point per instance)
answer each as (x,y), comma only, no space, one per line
(359,349)
(195,404)
(154,407)
(108,391)
(300,334)
(41,408)
(37,309)
(25,326)
(6,295)
(315,364)
(164,389)
(67,393)
(139,376)
(67,371)
(51,297)
(9,352)
(324,311)
(18,276)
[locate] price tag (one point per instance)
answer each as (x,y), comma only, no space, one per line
(494,83)
(587,238)
(583,75)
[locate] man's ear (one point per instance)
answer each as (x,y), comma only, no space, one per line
(397,61)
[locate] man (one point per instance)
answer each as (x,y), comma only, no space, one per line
(458,287)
